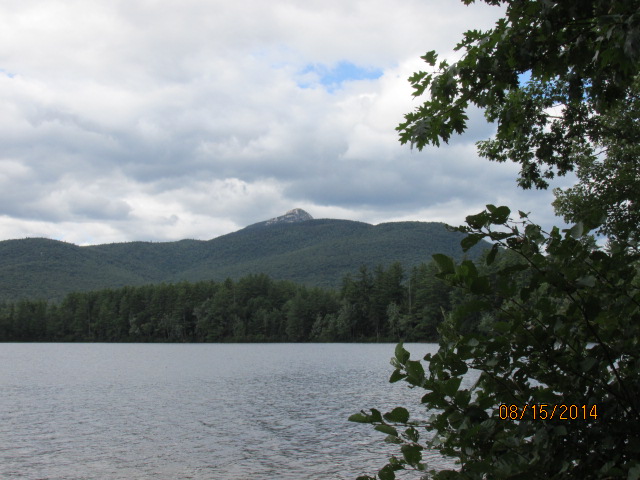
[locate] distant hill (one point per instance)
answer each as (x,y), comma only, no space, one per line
(293,247)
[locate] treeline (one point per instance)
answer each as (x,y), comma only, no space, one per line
(379,305)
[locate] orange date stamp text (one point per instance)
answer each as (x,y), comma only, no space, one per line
(545,411)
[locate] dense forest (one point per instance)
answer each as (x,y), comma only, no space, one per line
(371,305)
(316,253)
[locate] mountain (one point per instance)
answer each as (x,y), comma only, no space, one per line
(292,216)
(293,246)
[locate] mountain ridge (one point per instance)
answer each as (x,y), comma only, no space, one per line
(295,215)
(316,252)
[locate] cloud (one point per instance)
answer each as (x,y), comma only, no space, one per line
(161,120)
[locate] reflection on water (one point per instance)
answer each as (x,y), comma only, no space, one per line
(203,411)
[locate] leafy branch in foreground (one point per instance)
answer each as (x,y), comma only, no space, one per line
(565,335)
(561,327)
(580,58)
(607,194)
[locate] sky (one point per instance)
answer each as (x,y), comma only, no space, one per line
(159,120)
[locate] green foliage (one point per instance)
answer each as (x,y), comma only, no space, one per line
(555,340)
(314,253)
(255,308)
(553,345)
(581,56)
(607,194)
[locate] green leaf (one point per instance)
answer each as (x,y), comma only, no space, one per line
(501,327)
(470,240)
(415,372)
(492,254)
(577,230)
(634,471)
(430,57)
(560,430)
(386,473)
(500,215)
(397,415)
(477,221)
(434,400)
(448,475)
(412,453)
(480,286)
(401,354)
(472,306)
(450,387)
(533,232)
(388,429)
(444,263)
(412,434)
(588,363)
(360,418)
(462,398)
(396,376)
(394,440)
(476,414)
(467,271)
(586,281)
(375,416)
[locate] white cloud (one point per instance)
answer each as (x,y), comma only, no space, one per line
(161,120)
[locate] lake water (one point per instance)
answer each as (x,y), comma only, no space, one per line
(195,411)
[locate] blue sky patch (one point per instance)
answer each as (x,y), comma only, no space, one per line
(523,78)
(332,77)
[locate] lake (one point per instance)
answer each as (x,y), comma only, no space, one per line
(196,411)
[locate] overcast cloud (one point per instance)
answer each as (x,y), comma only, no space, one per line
(161,120)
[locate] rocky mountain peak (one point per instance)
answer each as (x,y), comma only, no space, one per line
(292,216)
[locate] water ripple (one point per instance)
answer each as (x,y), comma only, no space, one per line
(123,411)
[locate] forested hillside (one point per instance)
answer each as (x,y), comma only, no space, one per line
(313,253)
(371,305)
